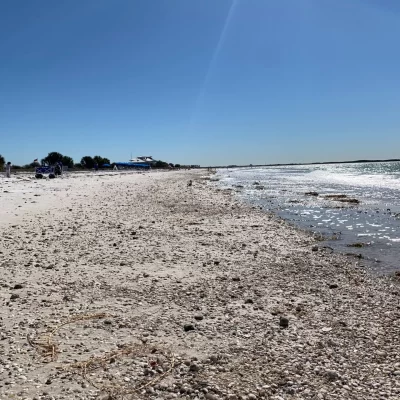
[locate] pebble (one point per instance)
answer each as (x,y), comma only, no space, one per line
(284,322)
(333,286)
(18,286)
(188,327)
(332,375)
(194,368)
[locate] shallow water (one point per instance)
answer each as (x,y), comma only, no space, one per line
(374,223)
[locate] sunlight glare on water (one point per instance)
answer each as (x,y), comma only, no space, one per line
(374,223)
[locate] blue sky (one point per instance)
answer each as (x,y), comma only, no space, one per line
(203,82)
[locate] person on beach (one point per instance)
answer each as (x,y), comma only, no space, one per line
(8,170)
(58,169)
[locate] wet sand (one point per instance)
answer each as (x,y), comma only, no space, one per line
(142,285)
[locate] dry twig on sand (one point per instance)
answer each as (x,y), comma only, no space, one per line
(46,346)
(83,368)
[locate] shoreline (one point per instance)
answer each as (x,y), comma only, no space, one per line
(350,210)
(188,270)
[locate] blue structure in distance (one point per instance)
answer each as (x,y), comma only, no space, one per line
(132,165)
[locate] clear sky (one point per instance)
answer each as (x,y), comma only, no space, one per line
(200,81)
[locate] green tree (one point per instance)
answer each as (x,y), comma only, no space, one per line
(101,160)
(52,158)
(87,162)
(68,161)
(2,161)
(160,164)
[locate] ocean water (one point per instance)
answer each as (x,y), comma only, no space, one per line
(369,229)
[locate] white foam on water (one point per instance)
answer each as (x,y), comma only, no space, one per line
(376,185)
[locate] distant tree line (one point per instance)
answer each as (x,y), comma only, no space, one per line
(55,158)
(90,162)
(87,162)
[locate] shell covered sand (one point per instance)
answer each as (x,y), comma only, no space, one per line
(142,286)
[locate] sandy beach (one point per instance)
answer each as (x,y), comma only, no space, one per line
(159,285)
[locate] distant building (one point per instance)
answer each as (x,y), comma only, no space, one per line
(143,159)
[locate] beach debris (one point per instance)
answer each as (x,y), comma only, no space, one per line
(188,327)
(194,367)
(284,322)
(18,286)
(356,245)
(342,198)
(45,345)
(332,375)
(333,286)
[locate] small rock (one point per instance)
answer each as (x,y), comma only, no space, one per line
(188,327)
(236,279)
(248,301)
(198,317)
(284,322)
(14,296)
(314,248)
(332,375)
(145,275)
(18,286)
(194,368)
(333,286)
